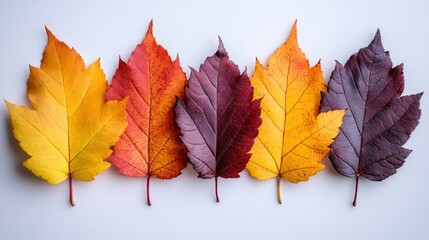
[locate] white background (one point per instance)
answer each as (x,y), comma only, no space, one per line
(113,206)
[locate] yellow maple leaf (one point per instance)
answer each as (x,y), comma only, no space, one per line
(71,129)
(293,137)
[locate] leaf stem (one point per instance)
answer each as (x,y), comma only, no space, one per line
(217,195)
(356,190)
(279,195)
(147,190)
(71,190)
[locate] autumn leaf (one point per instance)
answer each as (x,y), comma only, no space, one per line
(218,120)
(293,137)
(378,120)
(71,129)
(150,146)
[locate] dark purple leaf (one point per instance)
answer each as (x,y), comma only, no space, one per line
(378,120)
(218,120)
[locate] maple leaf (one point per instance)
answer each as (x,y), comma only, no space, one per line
(378,121)
(293,137)
(71,129)
(150,146)
(218,120)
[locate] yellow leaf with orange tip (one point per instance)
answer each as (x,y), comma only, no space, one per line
(293,137)
(71,129)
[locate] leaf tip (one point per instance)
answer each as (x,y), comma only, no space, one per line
(97,63)
(293,31)
(150,29)
(377,39)
(221,51)
(244,73)
(47,29)
(49,33)
(292,38)
(338,65)
(377,33)
(8,105)
(318,66)
(122,63)
(419,96)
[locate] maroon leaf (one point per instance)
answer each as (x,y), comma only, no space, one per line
(218,120)
(378,120)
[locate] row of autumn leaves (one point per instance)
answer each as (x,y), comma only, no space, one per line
(156,121)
